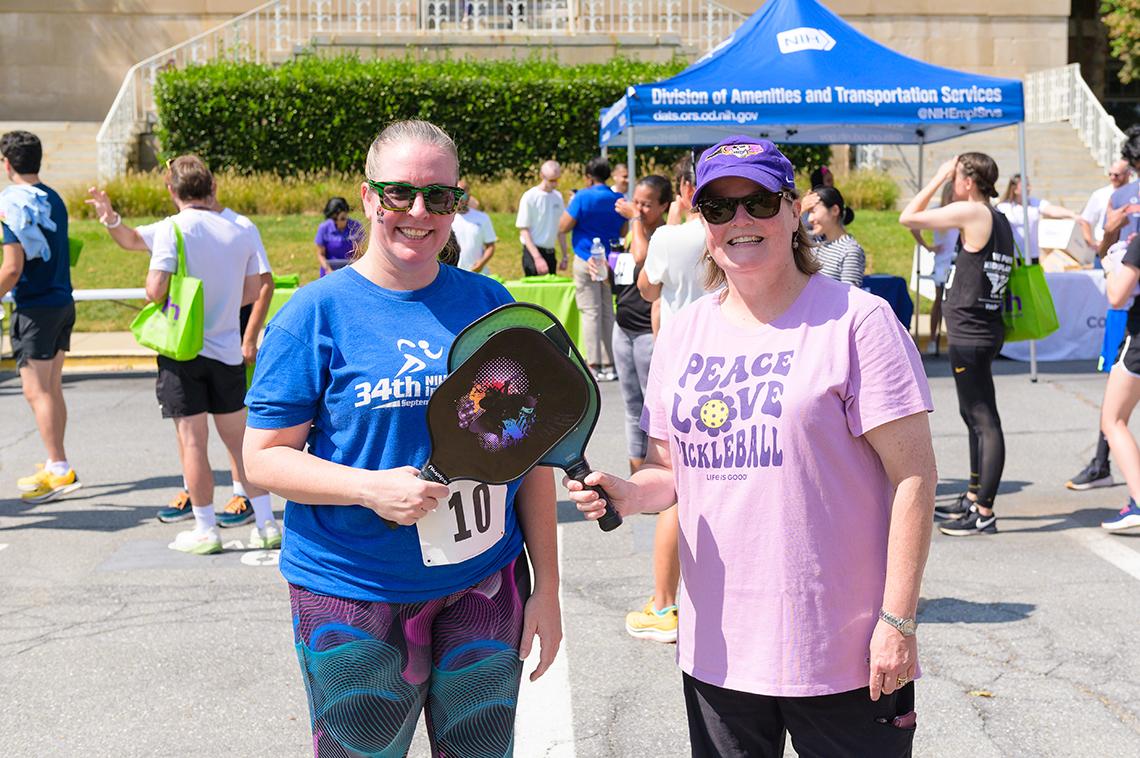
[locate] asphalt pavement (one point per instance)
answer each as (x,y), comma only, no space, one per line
(112,645)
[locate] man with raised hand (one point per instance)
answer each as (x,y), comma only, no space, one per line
(36,269)
(224,255)
(238,510)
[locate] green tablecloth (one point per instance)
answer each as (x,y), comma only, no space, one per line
(555,294)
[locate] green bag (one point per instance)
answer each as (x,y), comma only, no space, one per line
(1029,313)
(174,329)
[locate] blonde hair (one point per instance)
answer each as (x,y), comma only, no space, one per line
(402,132)
(399,133)
(802,252)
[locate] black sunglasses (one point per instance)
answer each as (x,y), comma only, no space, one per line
(440,199)
(761,205)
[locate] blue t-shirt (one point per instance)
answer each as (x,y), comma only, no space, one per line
(1129,193)
(46,284)
(360,362)
(594,216)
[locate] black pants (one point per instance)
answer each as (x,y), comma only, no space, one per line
(977,402)
(547,254)
(730,724)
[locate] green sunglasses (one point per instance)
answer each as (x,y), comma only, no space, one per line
(440,199)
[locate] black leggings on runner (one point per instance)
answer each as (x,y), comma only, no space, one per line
(974,380)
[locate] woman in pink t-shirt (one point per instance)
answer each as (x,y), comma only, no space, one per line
(786,415)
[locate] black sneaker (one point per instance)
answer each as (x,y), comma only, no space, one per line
(971,524)
(954,510)
(1092,476)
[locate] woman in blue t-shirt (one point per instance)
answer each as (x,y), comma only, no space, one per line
(439,611)
(337,236)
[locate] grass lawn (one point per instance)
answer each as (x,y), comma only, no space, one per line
(289,240)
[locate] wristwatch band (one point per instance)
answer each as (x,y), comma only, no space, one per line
(907,627)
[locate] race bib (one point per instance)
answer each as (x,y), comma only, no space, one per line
(624,268)
(465,525)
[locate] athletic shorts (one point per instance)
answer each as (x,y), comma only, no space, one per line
(39,333)
(370,668)
(726,723)
(1128,356)
(199,385)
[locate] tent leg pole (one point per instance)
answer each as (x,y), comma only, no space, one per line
(605,151)
(1028,231)
(917,253)
(631,162)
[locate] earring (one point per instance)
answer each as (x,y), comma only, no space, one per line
(795,239)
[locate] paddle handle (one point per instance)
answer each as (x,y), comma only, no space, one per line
(611,519)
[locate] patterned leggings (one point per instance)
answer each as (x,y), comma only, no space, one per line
(370,668)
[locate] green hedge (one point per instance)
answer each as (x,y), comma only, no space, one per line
(321,114)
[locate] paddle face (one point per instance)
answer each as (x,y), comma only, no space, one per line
(572,448)
(503,408)
(569,454)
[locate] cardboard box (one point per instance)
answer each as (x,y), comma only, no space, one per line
(1065,235)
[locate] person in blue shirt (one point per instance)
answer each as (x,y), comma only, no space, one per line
(592,214)
(36,269)
(439,611)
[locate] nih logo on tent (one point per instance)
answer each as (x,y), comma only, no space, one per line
(804,38)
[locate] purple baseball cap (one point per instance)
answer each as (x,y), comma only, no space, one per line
(747,157)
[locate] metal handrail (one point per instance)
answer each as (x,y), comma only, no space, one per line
(1061,94)
(274,30)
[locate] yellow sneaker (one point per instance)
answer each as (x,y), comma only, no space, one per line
(29,483)
(52,486)
(652,624)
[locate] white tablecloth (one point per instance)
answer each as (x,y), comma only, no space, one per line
(1080,300)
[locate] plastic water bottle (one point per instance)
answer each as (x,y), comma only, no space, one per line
(598,256)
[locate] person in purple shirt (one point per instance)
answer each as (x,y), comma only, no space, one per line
(336,236)
(591,214)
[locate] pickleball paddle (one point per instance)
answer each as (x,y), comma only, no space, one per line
(569,454)
(502,409)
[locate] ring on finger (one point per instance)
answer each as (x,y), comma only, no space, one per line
(901,681)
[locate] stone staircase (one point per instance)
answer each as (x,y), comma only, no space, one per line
(69,150)
(1061,169)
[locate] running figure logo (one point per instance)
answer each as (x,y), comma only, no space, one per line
(414,362)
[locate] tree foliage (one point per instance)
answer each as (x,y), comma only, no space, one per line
(1122,18)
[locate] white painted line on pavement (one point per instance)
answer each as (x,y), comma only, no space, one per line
(544,723)
(3,545)
(1110,549)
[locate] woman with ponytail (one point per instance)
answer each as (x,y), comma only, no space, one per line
(840,257)
(974,328)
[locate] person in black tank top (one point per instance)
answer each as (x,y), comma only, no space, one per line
(975,292)
(1123,382)
(633,324)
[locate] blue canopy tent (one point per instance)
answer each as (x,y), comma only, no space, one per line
(795,72)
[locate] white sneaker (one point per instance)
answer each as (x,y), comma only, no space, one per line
(197,543)
(265,537)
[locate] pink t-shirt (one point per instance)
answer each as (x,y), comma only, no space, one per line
(784,506)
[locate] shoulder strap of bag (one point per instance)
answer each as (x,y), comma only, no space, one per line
(181,244)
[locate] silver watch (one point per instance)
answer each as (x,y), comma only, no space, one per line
(906,627)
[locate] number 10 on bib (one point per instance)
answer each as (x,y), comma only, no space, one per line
(469,522)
